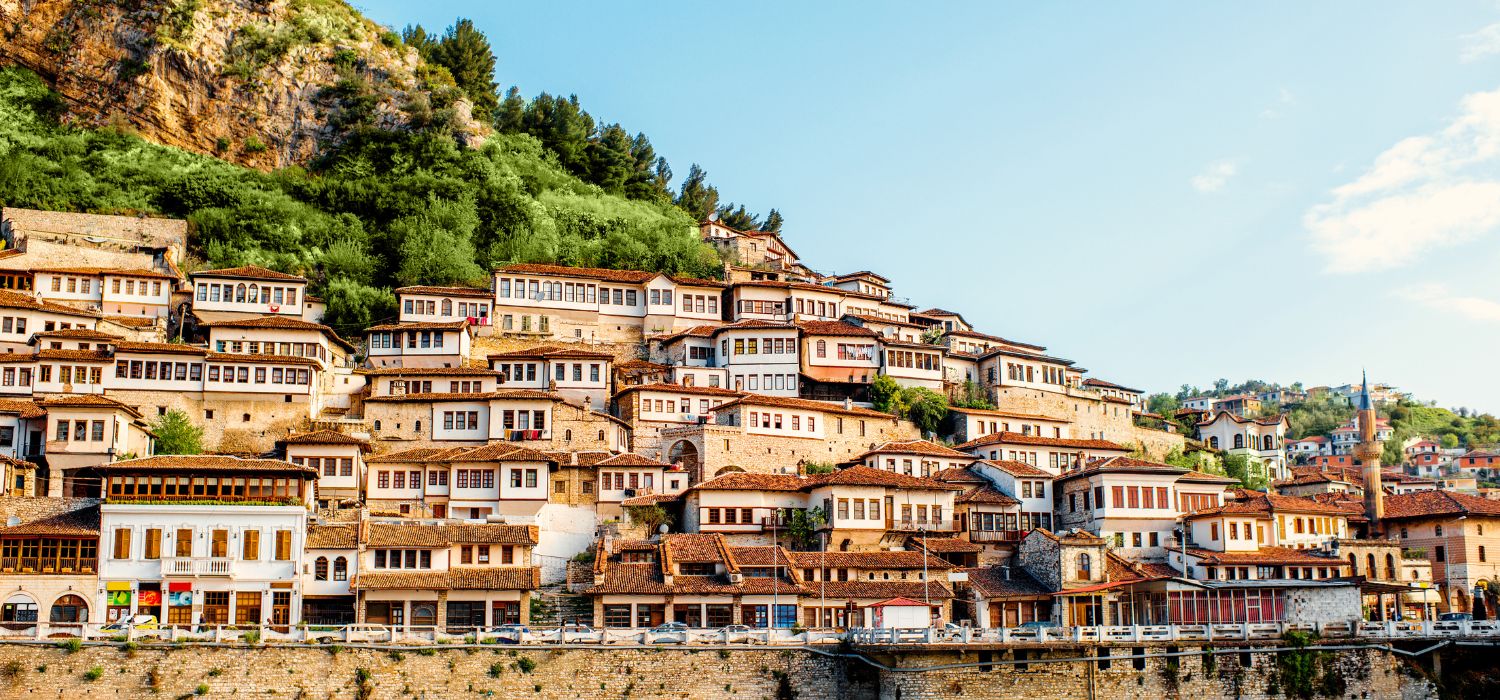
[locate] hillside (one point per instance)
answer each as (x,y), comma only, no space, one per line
(255,83)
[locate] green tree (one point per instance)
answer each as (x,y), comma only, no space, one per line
(924,407)
(1449,441)
(774,222)
(649,517)
(802,526)
(176,434)
(696,196)
(466,53)
(972,395)
(437,245)
(737,217)
(1164,405)
(885,395)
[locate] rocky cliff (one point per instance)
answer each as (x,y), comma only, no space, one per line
(264,84)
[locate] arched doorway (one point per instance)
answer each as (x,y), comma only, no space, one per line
(19,607)
(684,454)
(69,608)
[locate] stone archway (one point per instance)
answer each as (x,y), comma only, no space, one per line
(684,454)
(69,608)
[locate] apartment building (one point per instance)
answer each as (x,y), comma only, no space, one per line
(250,291)
(139,293)
(433,304)
(419,343)
(1053,454)
(453,577)
(582,376)
(1261,440)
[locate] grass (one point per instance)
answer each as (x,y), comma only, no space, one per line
(93,674)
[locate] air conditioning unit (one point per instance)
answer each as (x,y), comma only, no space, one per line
(630,493)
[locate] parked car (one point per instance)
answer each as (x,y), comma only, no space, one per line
(1455,617)
(134,622)
(1038,624)
(512,633)
(736,633)
(667,633)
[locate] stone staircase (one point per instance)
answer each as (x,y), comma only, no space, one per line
(553,606)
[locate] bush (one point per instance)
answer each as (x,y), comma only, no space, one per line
(525,664)
(251,637)
(11,670)
(202,689)
(70,645)
(93,674)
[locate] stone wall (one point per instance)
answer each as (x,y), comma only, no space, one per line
(270,416)
(680,673)
(1090,417)
(721,446)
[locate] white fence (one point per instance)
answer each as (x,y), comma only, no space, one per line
(58,632)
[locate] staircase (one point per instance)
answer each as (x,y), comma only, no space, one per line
(553,606)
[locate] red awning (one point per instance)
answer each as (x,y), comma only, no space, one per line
(177,586)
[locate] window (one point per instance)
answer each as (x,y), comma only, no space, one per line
(283,545)
(320,569)
(250,547)
(340,569)
(153,544)
(122,543)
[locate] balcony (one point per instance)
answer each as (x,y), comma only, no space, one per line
(48,565)
(197,566)
(985,536)
(916,525)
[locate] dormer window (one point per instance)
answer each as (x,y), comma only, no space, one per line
(696,568)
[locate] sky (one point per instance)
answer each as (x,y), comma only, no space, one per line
(1165,193)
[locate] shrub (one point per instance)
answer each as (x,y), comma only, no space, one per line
(215,672)
(496,669)
(525,664)
(251,637)
(254,145)
(202,689)
(11,670)
(70,645)
(93,674)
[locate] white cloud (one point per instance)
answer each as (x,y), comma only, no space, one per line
(1439,298)
(1485,42)
(1284,100)
(1215,176)
(1424,192)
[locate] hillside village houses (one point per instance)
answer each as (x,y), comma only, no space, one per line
(642,447)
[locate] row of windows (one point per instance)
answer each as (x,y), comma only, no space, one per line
(1235,530)
(247,294)
(218,544)
(68,374)
(775,421)
(507,323)
(913,360)
(850,351)
(204,488)
(80,431)
(685,405)
(859,510)
(152,369)
(403,559)
(466,309)
(13,324)
(330,466)
(753,346)
(756,306)
(560,372)
(84,285)
(413,339)
(818,308)
(460,420)
(619,481)
(925,469)
(255,347)
(277,375)
(758,382)
(1009,522)
(700,303)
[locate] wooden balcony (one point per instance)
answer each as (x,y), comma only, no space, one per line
(995,536)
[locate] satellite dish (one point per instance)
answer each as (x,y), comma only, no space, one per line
(713,216)
(12,521)
(662,528)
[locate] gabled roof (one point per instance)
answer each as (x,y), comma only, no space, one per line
(86,401)
(596,273)
(102,271)
(958,333)
(423,534)
(194,463)
(986,493)
(429,371)
(1109,385)
(130,346)
(248,272)
(325,437)
(447,291)
(1016,468)
(1279,419)
(836,328)
(916,447)
(1438,503)
(283,323)
(746,481)
(804,405)
(908,560)
(1007,438)
(17,300)
(861,475)
(1123,465)
(1001,582)
(551,352)
(747,324)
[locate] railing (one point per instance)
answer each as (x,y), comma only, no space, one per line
(37,565)
(914,525)
(197,566)
(996,535)
(47,632)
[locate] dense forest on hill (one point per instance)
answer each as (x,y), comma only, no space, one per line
(390,198)
(381,209)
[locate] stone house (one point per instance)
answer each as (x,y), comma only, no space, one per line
(454,577)
(419,343)
(433,304)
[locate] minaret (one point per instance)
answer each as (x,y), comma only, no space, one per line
(1368,453)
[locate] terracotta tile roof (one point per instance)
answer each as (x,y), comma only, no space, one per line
(986,494)
(805,405)
(435,536)
(886,321)
(60,517)
(86,401)
(1014,352)
(74,355)
(415,454)
(1267,556)
(630,459)
(429,372)
(248,272)
(877,560)
(646,579)
(836,328)
(547,352)
(206,463)
(750,324)
(860,475)
(918,447)
(995,338)
(1423,504)
(1279,419)
(440,396)
(492,452)
(624,276)
(1205,477)
(25,409)
(762,556)
(1007,438)
(1000,582)
(638,365)
(420,326)
(132,321)
(945,545)
(746,481)
(958,475)
(697,282)
(79,333)
(17,300)
(1109,385)
(1015,468)
(283,323)
(10,358)
(1128,465)
(880,590)
(332,536)
(695,548)
(650,499)
(497,578)
(704,331)
(224,357)
(680,389)
(159,348)
(447,291)
(325,437)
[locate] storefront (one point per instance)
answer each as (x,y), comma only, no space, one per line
(118,597)
(179,603)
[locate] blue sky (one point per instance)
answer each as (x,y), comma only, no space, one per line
(1165,193)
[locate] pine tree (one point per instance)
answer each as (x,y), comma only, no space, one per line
(773,222)
(738,218)
(466,53)
(696,196)
(610,159)
(510,118)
